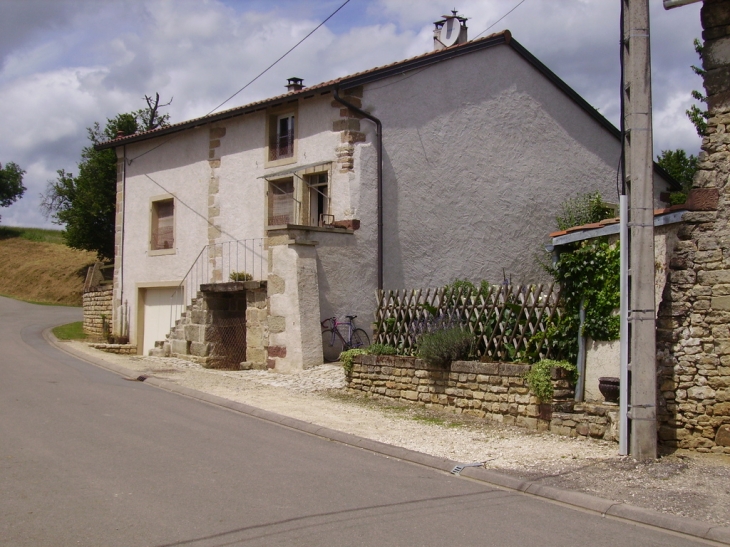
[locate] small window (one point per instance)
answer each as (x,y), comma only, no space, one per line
(281,202)
(281,143)
(163,225)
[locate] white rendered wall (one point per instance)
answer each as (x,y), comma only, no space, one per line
(479,154)
(180,167)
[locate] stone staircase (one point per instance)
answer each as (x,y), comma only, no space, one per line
(213,329)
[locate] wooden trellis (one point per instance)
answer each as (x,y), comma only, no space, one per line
(504,318)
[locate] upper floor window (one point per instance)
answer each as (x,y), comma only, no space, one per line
(302,199)
(319,199)
(282,205)
(162,225)
(281,136)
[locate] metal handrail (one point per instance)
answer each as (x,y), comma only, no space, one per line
(227,259)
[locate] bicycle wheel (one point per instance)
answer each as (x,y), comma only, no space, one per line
(360,339)
(331,351)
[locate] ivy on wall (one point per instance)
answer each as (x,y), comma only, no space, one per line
(588,272)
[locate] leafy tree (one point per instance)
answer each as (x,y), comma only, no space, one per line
(680,166)
(86,203)
(11,183)
(697,116)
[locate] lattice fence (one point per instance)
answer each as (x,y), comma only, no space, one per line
(227,337)
(504,318)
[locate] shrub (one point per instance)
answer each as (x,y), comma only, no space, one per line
(381,349)
(583,209)
(240,276)
(441,347)
(539,378)
(347,357)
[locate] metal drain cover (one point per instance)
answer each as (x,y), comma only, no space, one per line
(459,468)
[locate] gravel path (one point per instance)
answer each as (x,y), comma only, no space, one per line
(683,483)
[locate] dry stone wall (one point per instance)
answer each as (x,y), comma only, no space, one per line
(693,327)
(97,304)
(494,391)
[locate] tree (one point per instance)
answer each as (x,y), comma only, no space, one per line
(681,167)
(86,204)
(697,116)
(150,118)
(11,183)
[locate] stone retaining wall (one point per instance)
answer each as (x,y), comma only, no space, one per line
(97,304)
(494,391)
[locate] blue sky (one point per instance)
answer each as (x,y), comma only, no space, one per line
(65,64)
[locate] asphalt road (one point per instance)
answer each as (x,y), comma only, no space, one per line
(88,458)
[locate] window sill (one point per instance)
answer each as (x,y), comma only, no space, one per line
(301,227)
(278,163)
(161,252)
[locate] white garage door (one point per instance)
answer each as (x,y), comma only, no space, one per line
(158,317)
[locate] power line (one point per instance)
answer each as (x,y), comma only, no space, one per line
(498,20)
(253,80)
(190,207)
(280,58)
(413,73)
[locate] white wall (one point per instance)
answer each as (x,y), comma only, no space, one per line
(479,154)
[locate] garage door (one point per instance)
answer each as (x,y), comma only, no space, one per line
(159,305)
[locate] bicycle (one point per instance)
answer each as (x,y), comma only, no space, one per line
(333,341)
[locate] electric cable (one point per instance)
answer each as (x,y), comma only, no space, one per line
(498,20)
(253,80)
(413,73)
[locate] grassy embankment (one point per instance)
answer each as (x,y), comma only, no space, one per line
(36,266)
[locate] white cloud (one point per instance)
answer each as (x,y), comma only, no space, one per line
(61,73)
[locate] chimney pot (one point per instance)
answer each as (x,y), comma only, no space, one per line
(294,84)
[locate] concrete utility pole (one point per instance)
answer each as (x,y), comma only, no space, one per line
(638,162)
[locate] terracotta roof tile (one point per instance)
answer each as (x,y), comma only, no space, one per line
(615,220)
(292,94)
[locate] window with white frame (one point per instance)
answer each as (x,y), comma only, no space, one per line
(281,136)
(162,225)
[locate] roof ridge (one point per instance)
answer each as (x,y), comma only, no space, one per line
(233,111)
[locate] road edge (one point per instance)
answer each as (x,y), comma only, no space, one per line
(586,502)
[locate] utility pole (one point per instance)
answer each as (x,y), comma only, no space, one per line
(639,184)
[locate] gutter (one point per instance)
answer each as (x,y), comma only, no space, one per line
(379,148)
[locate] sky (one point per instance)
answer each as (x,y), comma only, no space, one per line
(65,64)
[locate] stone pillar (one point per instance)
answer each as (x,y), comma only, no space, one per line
(215,252)
(295,335)
(694,319)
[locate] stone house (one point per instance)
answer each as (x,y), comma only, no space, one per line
(452,164)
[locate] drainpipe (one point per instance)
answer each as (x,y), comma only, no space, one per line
(379,136)
(121,244)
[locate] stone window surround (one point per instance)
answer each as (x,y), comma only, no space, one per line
(272,117)
(153,201)
(301,193)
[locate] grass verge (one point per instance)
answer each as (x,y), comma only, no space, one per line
(71,331)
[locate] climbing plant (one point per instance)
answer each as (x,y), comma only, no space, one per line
(589,273)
